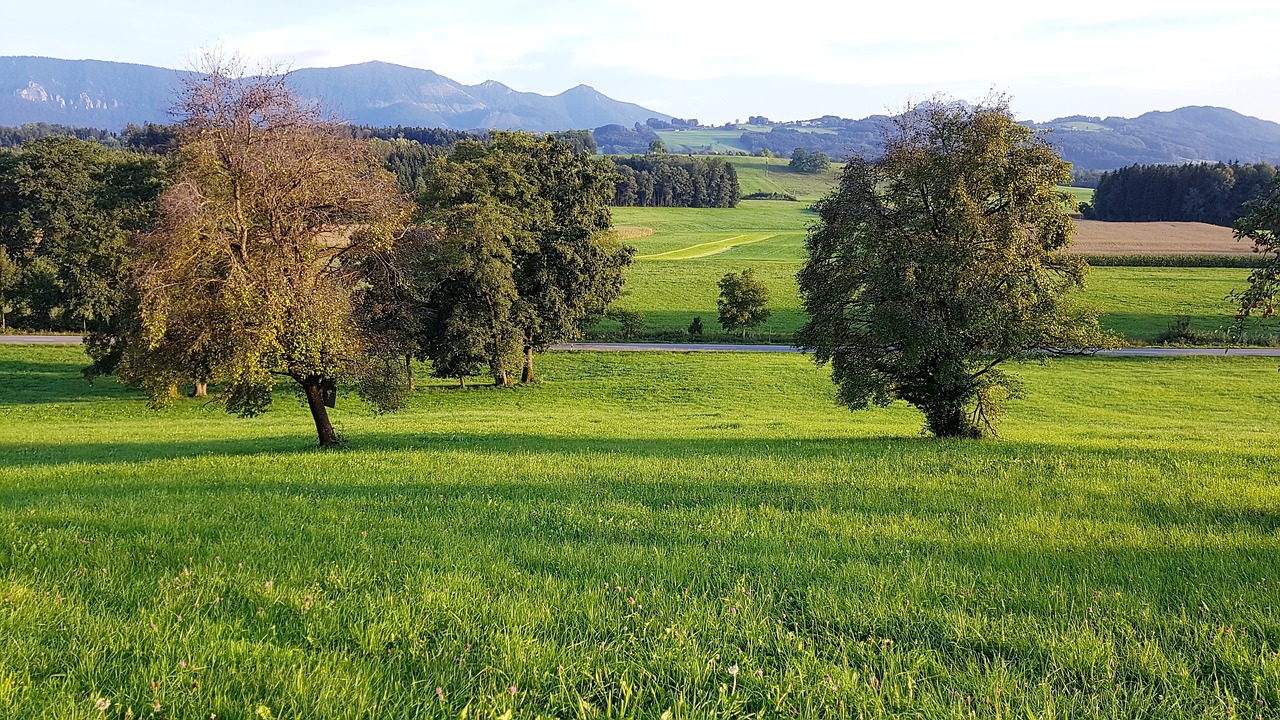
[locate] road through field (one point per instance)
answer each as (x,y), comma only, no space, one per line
(712,347)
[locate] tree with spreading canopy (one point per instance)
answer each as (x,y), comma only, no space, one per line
(935,264)
(523,256)
(265,237)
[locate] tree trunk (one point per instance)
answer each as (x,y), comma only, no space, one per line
(315,401)
(502,379)
(949,420)
(462,381)
(408,370)
(527,375)
(201,389)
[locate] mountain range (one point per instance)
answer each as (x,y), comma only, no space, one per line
(109,95)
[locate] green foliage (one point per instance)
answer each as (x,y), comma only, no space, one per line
(1206,260)
(1262,226)
(695,326)
(1190,192)
(523,257)
(934,265)
(263,243)
(657,147)
(1115,555)
(811,163)
(744,301)
(10,275)
(632,321)
(663,181)
(68,208)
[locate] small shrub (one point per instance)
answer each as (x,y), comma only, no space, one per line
(632,322)
(1179,332)
(695,327)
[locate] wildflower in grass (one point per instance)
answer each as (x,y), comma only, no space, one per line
(102,704)
(440,693)
(182,663)
(733,670)
(513,690)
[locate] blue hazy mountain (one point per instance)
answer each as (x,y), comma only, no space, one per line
(109,95)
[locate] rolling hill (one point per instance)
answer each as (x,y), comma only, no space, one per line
(109,95)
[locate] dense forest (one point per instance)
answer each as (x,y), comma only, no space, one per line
(1199,192)
(674,181)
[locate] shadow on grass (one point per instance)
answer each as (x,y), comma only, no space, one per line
(31,382)
(943,463)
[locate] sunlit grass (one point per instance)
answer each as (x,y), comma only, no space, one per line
(618,540)
(674,279)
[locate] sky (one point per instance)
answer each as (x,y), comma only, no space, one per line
(722,61)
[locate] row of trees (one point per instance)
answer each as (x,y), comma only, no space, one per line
(674,181)
(1199,192)
(68,209)
(275,244)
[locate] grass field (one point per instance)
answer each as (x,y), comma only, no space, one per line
(717,140)
(699,535)
(674,277)
(772,175)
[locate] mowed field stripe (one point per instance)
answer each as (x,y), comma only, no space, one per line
(709,248)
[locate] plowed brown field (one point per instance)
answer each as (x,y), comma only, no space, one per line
(1094,237)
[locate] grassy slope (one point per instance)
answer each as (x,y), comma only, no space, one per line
(619,538)
(1138,302)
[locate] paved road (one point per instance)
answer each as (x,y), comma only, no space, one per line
(713,347)
(710,347)
(40,340)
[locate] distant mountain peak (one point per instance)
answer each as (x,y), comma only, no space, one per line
(109,95)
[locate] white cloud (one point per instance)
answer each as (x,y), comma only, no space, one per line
(1172,49)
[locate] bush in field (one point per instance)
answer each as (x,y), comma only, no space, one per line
(743,302)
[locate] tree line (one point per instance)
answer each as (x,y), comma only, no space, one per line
(674,181)
(271,244)
(1214,193)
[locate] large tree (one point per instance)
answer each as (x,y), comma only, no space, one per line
(574,267)
(265,237)
(934,265)
(523,257)
(1262,226)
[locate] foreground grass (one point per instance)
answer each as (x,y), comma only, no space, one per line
(624,538)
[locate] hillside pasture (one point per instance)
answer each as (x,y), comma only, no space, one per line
(674,278)
(700,535)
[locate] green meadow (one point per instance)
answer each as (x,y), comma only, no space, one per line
(644,535)
(674,276)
